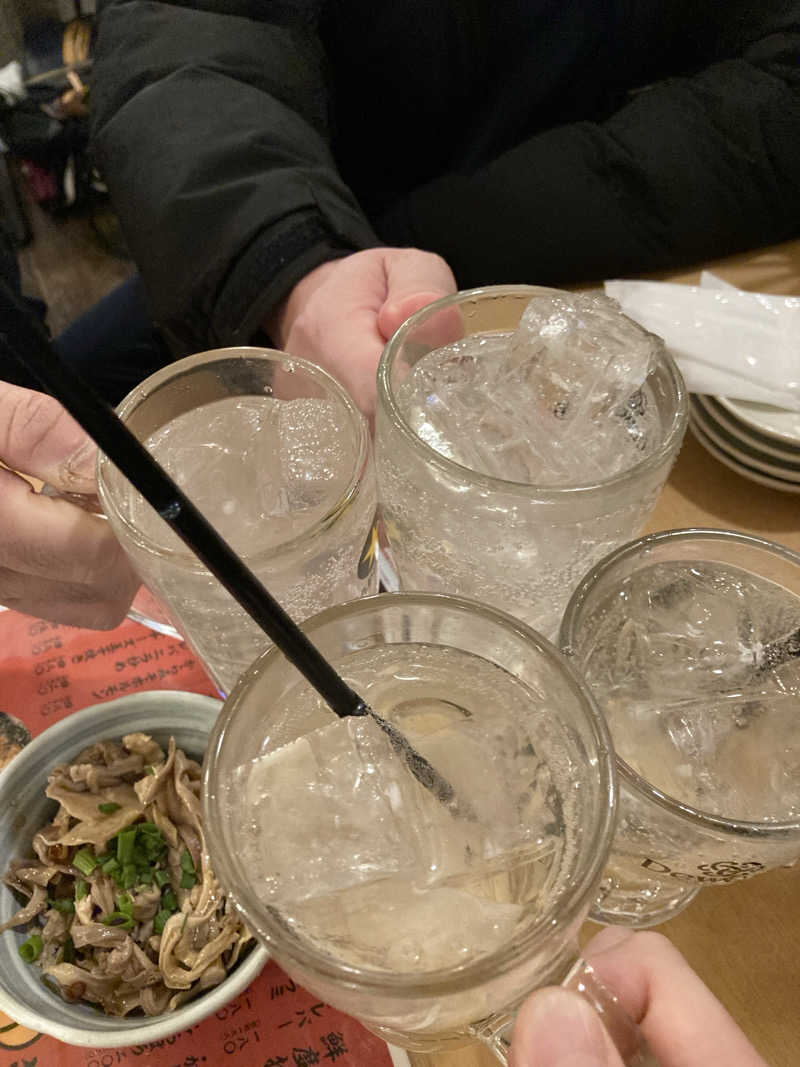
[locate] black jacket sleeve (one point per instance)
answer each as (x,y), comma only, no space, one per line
(690,167)
(210,127)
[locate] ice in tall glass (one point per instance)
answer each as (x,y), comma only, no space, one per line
(276,455)
(521,434)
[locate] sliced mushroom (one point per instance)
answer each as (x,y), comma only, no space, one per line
(35,905)
(151,752)
(150,784)
(84,934)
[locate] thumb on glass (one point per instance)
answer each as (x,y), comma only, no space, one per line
(558,1028)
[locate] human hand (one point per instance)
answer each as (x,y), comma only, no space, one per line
(57,561)
(685,1025)
(342,313)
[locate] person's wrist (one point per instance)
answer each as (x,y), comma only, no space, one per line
(278,323)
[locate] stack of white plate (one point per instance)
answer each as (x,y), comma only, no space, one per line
(757,441)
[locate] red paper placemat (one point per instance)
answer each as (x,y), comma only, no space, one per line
(46,673)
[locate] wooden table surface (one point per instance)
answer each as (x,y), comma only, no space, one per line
(742,939)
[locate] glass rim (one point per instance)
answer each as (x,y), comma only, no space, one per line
(142,392)
(566,642)
(562,912)
(386,399)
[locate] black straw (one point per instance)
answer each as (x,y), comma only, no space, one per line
(25,341)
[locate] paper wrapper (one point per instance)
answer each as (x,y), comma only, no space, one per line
(727,342)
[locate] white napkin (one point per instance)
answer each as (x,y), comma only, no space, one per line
(727,342)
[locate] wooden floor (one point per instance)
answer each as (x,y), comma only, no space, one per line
(67,264)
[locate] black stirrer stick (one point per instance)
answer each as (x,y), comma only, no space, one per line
(24,340)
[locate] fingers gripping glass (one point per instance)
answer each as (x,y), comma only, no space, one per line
(145,608)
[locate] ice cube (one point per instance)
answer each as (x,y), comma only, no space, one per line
(462,402)
(256,429)
(588,357)
(339,808)
(559,401)
(455,411)
(260,469)
(585,364)
(736,754)
(686,630)
(324,811)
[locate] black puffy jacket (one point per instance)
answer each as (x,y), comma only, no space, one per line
(539,141)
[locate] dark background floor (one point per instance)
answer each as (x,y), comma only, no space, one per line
(67,263)
(69,250)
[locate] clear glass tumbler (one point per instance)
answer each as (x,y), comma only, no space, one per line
(690,643)
(518,546)
(276,455)
(448,960)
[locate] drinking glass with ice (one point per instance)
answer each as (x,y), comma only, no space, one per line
(278,458)
(688,641)
(521,433)
(429,922)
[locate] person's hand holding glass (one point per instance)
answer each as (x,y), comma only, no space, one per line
(684,1023)
(57,560)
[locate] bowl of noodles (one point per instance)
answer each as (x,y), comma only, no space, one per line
(114,930)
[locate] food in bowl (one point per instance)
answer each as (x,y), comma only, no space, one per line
(123,907)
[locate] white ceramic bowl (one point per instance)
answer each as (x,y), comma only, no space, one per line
(188,717)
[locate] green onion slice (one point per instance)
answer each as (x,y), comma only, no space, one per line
(160,921)
(85,860)
(126,843)
(125,904)
(31,949)
(63,904)
(119,918)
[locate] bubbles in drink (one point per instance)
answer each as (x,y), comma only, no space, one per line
(368,864)
(677,662)
(562,400)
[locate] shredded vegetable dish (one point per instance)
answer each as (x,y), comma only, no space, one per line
(123,909)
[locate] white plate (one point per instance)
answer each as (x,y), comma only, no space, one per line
(746,434)
(779,423)
(735,448)
(740,468)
